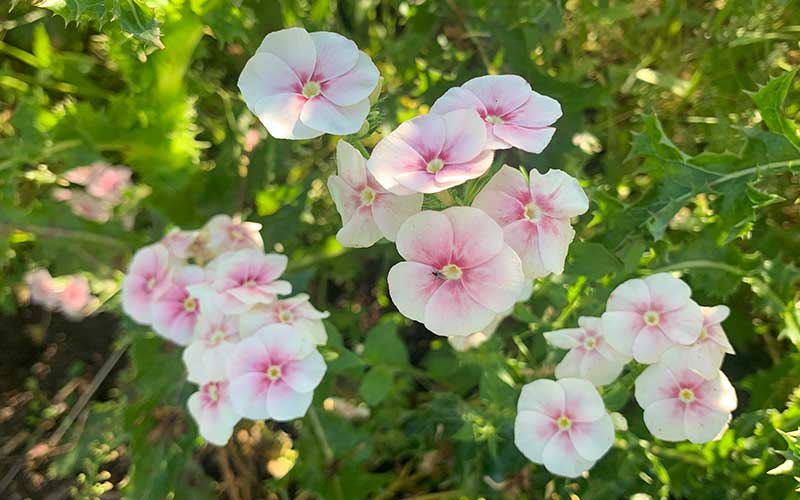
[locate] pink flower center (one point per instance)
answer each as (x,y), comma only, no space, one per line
(686,395)
(532,212)
(151,283)
(563,422)
(449,272)
(494,120)
(236,234)
(190,304)
(589,343)
(250,283)
(285,316)
(213,392)
(651,318)
(703,334)
(217,337)
(274,372)
(367,196)
(311,89)
(434,165)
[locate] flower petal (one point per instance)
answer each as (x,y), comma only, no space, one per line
(598,369)
(305,374)
(496,283)
(631,296)
(537,112)
(532,432)
(360,231)
(426,237)
(284,403)
(390,212)
(451,311)
(555,235)
(504,197)
(592,439)
(558,194)
(620,329)
(319,113)
(280,114)
(454,174)
(355,85)
(411,286)
(582,402)
(560,457)
(655,383)
(248,395)
(393,156)
(682,325)
(293,46)
(570,364)
(476,237)
(457,98)
(500,93)
(465,136)
(350,165)
(532,140)
(665,419)
(543,396)
(667,292)
(565,338)
(335,55)
(717,394)
(346,198)
(650,344)
(704,424)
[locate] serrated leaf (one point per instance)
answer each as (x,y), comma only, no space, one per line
(592,260)
(769,100)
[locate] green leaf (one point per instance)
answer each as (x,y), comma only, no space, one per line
(376,384)
(769,100)
(592,260)
(384,347)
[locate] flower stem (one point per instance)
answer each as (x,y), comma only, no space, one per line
(446,198)
(327,451)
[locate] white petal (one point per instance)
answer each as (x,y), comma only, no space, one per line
(592,439)
(532,431)
(665,419)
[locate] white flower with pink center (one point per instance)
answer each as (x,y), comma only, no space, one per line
(535,218)
(706,354)
(175,309)
(179,243)
(563,424)
(590,357)
(273,374)
(147,274)
(680,404)
(216,336)
(74,297)
(368,211)
(211,408)
(223,233)
(458,275)
(514,115)
(42,287)
(296,312)
(645,317)
(431,153)
(102,180)
(302,85)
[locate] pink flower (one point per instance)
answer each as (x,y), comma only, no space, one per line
(147,274)
(273,374)
(590,357)
(179,243)
(562,424)
(536,218)
(90,208)
(459,274)
(102,180)
(296,312)
(243,279)
(706,354)
(680,404)
(302,85)
(216,336)
(645,317)
(368,211)
(211,408)
(43,288)
(75,297)
(514,114)
(431,153)
(175,309)
(223,233)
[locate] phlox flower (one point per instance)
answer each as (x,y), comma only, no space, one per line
(211,408)
(645,317)
(102,180)
(147,274)
(85,205)
(273,374)
(431,153)
(302,85)
(706,354)
(74,297)
(215,338)
(223,233)
(296,312)
(680,404)
(180,243)
(368,211)
(43,288)
(562,424)
(535,218)
(458,275)
(175,309)
(590,357)
(514,115)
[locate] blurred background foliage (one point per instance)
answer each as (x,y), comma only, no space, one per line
(679,119)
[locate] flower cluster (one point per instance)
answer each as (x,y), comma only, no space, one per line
(101,189)
(69,295)
(215,292)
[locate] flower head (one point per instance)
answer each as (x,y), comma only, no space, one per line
(513,114)
(296,312)
(215,338)
(211,408)
(302,85)
(74,297)
(680,404)
(431,153)
(175,309)
(223,233)
(535,218)
(273,374)
(368,211)
(706,354)
(102,180)
(458,275)
(645,317)
(179,243)
(590,357)
(43,288)
(147,274)
(562,424)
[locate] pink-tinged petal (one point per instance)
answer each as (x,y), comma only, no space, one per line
(452,311)
(631,296)
(682,325)
(504,197)
(476,237)
(665,419)
(256,318)
(284,403)
(715,315)
(566,338)
(267,75)
(411,286)
(500,93)
(543,396)
(558,194)
(717,335)
(592,439)
(496,283)
(314,329)
(560,457)
(465,136)
(421,182)
(355,85)
(457,98)
(538,111)
(599,370)
(532,432)
(650,344)
(655,383)
(424,134)
(283,343)
(426,237)
(611,354)
(570,364)
(319,113)
(390,212)
(295,47)
(582,402)
(454,174)
(704,424)
(532,140)
(346,198)
(393,156)
(620,329)
(280,114)
(261,294)
(304,375)
(250,357)
(717,394)
(248,395)
(667,292)
(555,235)
(360,231)
(336,55)
(705,358)
(523,237)
(182,330)
(350,165)
(194,362)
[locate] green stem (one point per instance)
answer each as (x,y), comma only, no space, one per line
(327,451)
(446,198)
(58,232)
